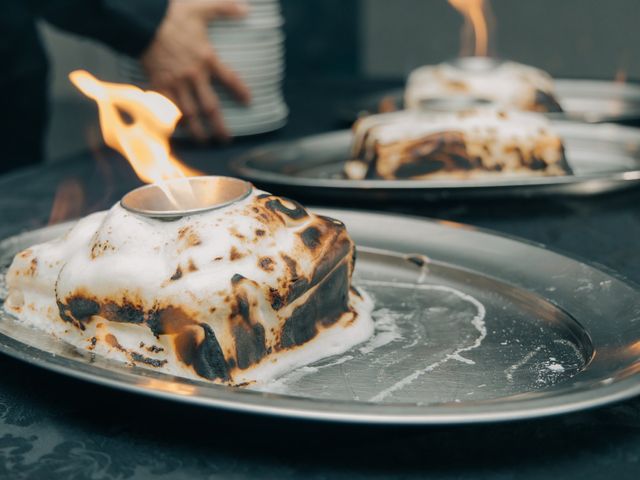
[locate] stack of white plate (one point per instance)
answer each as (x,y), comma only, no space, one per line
(254,48)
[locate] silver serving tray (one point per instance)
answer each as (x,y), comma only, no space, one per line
(488,329)
(598,101)
(604,158)
(592,101)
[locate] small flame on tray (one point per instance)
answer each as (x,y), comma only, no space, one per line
(477,22)
(138,124)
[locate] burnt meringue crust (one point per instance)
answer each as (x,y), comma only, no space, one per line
(237,295)
(461,145)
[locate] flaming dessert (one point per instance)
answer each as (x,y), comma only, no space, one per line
(477,78)
(455,145)
(200,277)
(508,85)
(238,294)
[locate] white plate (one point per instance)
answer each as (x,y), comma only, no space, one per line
(239,111)
(252,63)
(259,93)
(246,130)
(236,117)
(257,97)
(252,60)
(251,79)
(275,72)
(239,130)
(249,23)
(237,62)
(248,38)
(230,42)
(261,101)
(265,10)
(252,124)
(245,35)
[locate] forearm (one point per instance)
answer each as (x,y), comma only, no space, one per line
(125,25)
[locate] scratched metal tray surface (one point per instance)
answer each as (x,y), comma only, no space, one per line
(603,157)
(469,327)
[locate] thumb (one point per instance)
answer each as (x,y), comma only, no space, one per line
(212,9)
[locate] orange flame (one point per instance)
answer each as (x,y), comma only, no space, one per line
(137,124)
(621,75)
(476,26)
(68,202)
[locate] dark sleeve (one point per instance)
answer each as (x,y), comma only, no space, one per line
(127,26)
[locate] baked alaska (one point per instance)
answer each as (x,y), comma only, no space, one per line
(457,145)
(236,295)
(507,85)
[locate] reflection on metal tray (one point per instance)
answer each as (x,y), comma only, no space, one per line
(485,329)
(604,158)
(592,101)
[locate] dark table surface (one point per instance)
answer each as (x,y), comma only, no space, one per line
(53,427)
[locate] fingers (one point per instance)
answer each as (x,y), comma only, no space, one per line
(212,9)
(206,100)
(184,63)
(210,106)
(189,108)
(197,101)
(229,79)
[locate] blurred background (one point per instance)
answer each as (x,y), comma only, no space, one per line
(384,39)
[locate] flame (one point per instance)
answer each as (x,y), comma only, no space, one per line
(137,124)
(476,25)
(621,75)
(68,202)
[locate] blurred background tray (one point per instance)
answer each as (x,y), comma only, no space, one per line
(604,158)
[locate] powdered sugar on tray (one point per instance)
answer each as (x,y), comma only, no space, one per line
(477,321)
(397,336)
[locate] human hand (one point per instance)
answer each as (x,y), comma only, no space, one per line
(181,63)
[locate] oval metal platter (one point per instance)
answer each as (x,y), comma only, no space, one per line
(484,329)
(604,158)
(592,101)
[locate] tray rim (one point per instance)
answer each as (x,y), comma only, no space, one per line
(360,412)
(582,184)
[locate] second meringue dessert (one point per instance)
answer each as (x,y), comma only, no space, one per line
(236,295)
(507,85)
(462,145)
